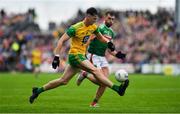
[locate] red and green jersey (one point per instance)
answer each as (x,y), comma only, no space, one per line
(96,46)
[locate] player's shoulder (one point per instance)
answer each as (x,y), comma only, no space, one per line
(95,26)
(78,25)
(102,26)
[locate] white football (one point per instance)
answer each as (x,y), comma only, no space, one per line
(121,75)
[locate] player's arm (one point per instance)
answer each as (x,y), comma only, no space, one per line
(57,50)
(69,33)
(102,38)
(61,41)
(91,39)
(105,39)
(117,54)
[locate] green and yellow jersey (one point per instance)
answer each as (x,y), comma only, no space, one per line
(36,57)
(96,46)
(80,34)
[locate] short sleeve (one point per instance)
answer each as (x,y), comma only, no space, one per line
(71,31)
(96,31)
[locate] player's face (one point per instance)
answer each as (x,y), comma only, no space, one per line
(92,19)
(109,20)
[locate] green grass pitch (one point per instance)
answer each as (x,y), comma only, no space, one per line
(146,93)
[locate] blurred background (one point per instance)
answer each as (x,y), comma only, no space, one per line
(148,31)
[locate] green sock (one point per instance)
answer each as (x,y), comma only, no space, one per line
(40,90)
(115,88)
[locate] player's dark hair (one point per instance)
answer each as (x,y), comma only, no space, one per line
(92,11)
(112,13)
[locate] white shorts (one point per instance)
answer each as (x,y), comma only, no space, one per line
(98,61)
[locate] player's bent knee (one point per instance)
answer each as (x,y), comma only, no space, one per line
(95,71)
(63,81)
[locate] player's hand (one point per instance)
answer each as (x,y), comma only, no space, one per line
(120,55)
(111,46)
(55,62)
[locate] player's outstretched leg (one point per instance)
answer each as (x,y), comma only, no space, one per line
(35,93)
(63,80)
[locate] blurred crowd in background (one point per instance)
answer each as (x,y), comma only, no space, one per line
(145,37)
